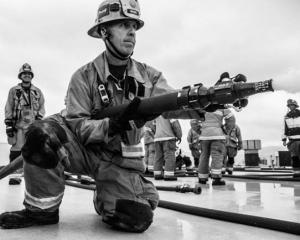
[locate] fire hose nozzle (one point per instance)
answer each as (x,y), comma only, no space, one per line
(186,188)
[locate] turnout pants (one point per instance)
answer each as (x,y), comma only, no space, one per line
(216,149)
(165,156)
(115,177)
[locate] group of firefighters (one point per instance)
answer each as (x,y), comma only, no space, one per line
(217,137)
(109,149)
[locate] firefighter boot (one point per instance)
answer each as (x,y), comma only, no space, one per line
(14,181)
(26,218)
(158,177)
(202,180)
(170,178)
(218,182)
(130,216)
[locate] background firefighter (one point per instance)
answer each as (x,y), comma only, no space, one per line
(212,140)
(292,134)
(234,142)
(167,132)
(25,104)
(149,131)
(194,141)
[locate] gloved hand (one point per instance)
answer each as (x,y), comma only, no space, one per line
(10,131)
(241,103)
(224,75)
(239,78)
(121,123)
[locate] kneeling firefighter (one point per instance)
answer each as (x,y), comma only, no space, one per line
(109,149)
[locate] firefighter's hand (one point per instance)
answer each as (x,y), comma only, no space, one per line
(241,103)
(121,123)
(284,143)
(239,78)
(10,131)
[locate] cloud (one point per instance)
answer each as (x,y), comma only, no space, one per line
(288,81)
(189,41)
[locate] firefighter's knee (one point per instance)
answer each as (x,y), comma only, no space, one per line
(130,216)
(43,142)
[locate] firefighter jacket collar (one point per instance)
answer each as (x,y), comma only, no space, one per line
(32,87)
(101,65)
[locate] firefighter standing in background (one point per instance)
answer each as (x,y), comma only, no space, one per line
(193,140)
(292,134)
(212,140)
(25,104)
(234,142)
(167,132)
(149,131)
(109,149)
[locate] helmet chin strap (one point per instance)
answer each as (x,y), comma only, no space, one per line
(114,51)
(111,48)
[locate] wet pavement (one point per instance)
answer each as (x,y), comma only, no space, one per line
(78,220)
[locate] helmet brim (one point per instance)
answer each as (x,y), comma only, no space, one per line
(19,75)
(94,31)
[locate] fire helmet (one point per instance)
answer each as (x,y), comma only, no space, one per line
(292,102)
(116,10)
(25,68)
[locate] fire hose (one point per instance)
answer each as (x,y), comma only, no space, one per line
(191,97)
(185,188)
(261,222)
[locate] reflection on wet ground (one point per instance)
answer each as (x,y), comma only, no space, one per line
(79,220)
(278,200)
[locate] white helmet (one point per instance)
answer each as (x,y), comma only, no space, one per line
(292,102)
(26,68)
(115,10)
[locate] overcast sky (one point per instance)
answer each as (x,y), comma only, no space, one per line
(190,41)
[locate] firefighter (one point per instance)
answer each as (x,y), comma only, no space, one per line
(109,149)
(24,105)
(149,131)
(193,140)
(234,142)
(212,140)
(292,134)
(167,133)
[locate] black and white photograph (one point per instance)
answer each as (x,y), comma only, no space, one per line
(164,119)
